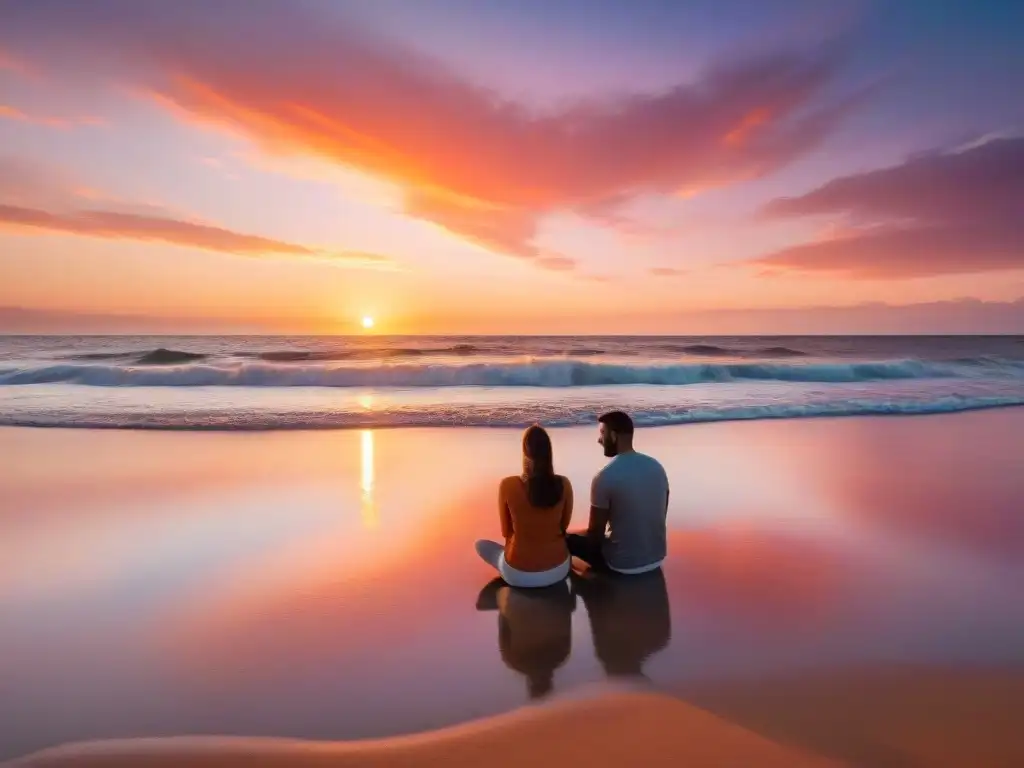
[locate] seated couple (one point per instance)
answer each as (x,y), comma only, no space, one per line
(628,506)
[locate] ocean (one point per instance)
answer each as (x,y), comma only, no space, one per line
(275,382)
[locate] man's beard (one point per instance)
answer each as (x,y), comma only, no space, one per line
(611,450)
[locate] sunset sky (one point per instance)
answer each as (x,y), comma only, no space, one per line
(537,166)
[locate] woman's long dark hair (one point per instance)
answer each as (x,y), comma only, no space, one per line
(543,486)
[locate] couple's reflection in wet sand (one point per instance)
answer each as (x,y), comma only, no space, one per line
(629,618)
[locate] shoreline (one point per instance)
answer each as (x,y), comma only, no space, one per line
(213,428)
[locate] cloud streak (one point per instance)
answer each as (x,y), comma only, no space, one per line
(940,213)
(118,225)
(38,198)
(488,169)
(7,112)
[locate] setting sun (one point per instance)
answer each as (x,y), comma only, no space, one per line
(367,322)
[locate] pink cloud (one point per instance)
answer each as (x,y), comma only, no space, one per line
(910,251)
(941,213)
(973,183)
(479,165)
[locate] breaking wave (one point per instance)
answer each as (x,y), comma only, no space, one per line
(159,356)
(165,356)
(153,370)
(713,350)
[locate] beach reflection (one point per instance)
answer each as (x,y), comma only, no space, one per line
(630,619)
(367,506)
(534,630)
(264,578)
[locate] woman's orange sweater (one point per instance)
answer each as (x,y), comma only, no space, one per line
(534,536)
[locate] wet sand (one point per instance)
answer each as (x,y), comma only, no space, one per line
(661,730)
(846,587)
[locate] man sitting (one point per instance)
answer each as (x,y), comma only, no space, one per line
(628,506)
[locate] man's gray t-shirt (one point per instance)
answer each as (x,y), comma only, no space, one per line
(634,488)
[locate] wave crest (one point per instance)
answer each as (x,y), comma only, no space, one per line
(170,356)
(158,371)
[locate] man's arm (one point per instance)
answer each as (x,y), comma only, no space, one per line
(668,490)
(598,524)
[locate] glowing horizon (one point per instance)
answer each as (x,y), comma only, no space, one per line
(727,167)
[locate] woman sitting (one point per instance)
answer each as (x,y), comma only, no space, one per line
(534,509)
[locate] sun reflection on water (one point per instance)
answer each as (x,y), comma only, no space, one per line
(367,506)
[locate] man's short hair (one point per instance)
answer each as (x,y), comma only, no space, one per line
(617,421)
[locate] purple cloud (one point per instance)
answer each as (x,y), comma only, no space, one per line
(938,213)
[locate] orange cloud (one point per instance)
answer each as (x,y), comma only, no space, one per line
(489,173)
(506,230)
(481,166)
(749,123)
(116,225)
